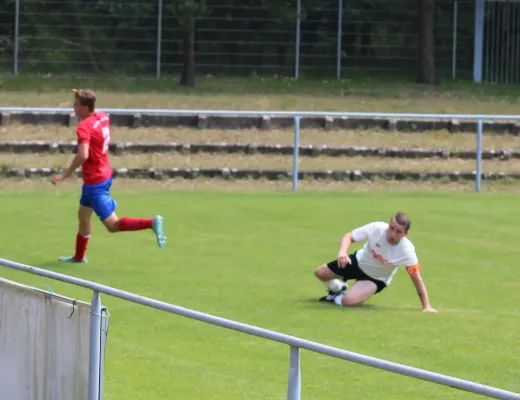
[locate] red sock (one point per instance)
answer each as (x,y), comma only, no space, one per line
(134,224)
(81,246)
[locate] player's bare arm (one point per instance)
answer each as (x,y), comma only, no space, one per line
(415,276)
(78,161)
(343,258)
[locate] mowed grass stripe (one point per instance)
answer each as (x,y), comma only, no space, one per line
(357,93)
(241,161)
(431,139)
(250,257)
(382,187)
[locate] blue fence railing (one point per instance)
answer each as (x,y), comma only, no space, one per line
(297,115)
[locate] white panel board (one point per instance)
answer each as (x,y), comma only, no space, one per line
(44,345)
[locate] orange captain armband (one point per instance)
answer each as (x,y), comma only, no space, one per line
(413,269)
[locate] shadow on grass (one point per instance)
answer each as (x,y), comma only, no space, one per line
(367,307)
(60,267)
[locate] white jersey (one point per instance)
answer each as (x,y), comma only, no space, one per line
(378,258)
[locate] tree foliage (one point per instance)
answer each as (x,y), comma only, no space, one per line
(230,37)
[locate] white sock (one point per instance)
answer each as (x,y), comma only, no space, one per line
(335,285)
(338,299)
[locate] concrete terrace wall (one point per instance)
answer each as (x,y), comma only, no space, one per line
(267,122)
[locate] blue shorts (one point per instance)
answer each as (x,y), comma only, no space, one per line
(97,197)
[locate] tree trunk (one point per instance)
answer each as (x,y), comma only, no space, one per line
(426,51)
(188,70)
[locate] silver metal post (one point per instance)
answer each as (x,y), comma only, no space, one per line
(298,38)
(517,53)
(294,386)
(104,337)
(503,43)
(94,367)
(454,44)
(296,152)
(159,38)
(491,37)
(507,40)
(488,42)
(479,154)
(478,41)
(514,49)
(16,44)
(496,32)
(339,40)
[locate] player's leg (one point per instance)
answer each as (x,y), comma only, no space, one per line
(334,277)
(330,274)
(127,224)
(115,224)
(83,235)
(364,288)
(360,292)
(105,209)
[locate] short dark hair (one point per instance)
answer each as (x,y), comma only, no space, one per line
(403,220)
(86,98)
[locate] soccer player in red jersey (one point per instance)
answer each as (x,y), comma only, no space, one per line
(93,132)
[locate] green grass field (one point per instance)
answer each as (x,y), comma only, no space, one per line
(357,92)
(250,256)
(247,250)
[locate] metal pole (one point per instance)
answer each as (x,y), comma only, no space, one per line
(104,337)
(294,387)
(479,154)
(339,40)
(159,39)
(488,41)
(296,152)
(479,41)
(503,42)
(516,53)
(507,41)
(454,45)
(491,37)
(497,42)
(16,41)
(298,38)
(94,348)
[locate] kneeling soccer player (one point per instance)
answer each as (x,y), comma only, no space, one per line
(93,134)
(373,267)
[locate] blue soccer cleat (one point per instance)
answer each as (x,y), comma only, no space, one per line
(71,259)
(157,226)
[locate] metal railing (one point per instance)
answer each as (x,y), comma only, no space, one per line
(297,115)
(295,343)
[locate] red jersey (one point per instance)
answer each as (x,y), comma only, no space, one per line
(95,130)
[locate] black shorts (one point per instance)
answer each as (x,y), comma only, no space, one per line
(353,271)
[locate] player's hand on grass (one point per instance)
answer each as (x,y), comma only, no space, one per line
(430,310)
(56,178)
(343,260)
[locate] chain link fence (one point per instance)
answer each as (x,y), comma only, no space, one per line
(326,39)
